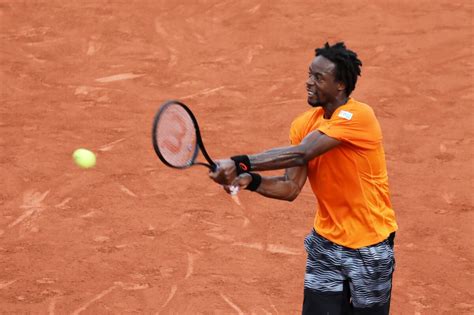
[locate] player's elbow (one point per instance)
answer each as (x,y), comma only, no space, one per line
(300,161)
(298,158)
(303,156)
(293,193)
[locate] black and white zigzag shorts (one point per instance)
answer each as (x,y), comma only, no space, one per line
(368,270)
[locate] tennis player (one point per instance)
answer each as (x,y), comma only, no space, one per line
(337,145)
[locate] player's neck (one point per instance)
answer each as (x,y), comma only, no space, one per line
(329,108)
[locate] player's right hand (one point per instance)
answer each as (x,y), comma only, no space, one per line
(225,172)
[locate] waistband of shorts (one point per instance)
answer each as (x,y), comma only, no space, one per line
(390,239)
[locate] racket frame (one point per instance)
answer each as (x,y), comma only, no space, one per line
(199,144)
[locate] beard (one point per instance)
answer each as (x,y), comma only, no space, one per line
(314,102)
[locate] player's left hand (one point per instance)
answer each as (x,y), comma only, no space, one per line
(225,172)
(242,181)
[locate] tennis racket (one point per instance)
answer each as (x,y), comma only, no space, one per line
(176,137)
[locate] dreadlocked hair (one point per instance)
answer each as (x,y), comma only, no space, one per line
(346,61)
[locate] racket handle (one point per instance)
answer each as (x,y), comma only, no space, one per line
(234,190)
(233,194)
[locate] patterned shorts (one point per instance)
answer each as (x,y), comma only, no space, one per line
(368,270)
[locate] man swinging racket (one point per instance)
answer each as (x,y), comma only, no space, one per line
(337,145)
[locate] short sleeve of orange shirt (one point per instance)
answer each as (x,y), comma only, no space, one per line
(350,181)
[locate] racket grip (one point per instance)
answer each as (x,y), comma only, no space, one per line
(234,190)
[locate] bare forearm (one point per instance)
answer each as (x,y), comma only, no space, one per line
(278,158)
(278,187)
(313,145)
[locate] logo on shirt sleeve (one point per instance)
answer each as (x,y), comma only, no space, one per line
(345,114)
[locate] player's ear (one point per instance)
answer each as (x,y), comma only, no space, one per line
(341,86)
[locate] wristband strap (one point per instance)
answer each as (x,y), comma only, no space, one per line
(242,164)
(255,183)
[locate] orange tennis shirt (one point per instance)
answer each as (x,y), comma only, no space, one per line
(350,181)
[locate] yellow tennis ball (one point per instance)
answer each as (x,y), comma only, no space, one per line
(84,158)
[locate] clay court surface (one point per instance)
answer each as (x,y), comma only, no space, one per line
(132,236)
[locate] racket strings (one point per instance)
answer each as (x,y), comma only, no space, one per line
(176,136)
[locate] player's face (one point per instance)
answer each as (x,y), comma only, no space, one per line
(321,85)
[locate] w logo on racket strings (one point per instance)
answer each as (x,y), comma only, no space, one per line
(175,137)
(243,167)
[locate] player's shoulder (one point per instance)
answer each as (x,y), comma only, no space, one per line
(305,117)
(357,109)
(302,124)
